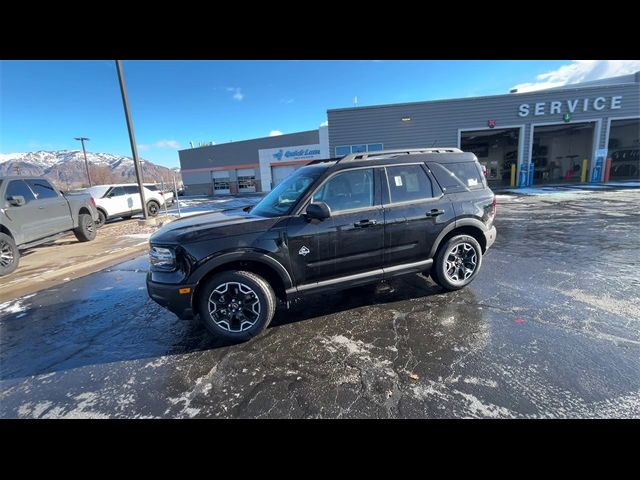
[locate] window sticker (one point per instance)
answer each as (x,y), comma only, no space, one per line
(472,182)
(398,180)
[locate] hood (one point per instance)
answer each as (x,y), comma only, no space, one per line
(224,223)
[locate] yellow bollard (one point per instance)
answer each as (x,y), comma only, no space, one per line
(583,177)
(513,174)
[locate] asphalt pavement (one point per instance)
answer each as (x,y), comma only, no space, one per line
(550,328)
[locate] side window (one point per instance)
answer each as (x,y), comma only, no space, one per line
(408,183)
(116,192)
(130,189)
(42,189)
(467,172)
(19,187)
(347,190)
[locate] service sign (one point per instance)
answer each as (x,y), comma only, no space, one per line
(570,106)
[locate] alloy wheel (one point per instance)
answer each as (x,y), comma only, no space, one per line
(234,306)
(461,262)
(6,254)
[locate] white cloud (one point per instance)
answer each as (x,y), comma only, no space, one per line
(172,144)
(286,100)
(580,71)
(237,93)
(325,123)
(275,133)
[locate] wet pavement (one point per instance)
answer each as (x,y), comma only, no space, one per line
(549,328)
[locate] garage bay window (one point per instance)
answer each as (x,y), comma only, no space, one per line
(221,183)
(343,150)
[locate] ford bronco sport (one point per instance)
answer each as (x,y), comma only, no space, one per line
(332,224)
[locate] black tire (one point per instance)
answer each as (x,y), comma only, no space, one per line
(102,219)
(153,208)
(238,326)
(445,262)
(86,230)
(9,255)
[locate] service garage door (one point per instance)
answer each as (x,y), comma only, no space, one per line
(279,173)
(558,152)
(496,149)
(246,180)
(624,149)
(221,183)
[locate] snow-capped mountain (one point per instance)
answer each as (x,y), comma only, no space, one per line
(66,167)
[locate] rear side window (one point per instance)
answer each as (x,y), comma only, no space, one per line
(467,172)
(42,189)
(19,187)
(408,183)
(116,192)
(129,189)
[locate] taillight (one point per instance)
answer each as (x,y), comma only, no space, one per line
(494,205)
(93,201)
(484,170)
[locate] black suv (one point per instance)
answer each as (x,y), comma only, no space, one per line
(332,224)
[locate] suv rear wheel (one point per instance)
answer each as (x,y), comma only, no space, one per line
(153,208)
(457,262)
(102,219)
(86,230)
(9,255)
(236,305)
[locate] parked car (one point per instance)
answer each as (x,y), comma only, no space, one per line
(166,193)
(332,224)
(34,212)
(123,200)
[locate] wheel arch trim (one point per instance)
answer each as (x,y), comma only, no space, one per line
(463,222)
(246,255)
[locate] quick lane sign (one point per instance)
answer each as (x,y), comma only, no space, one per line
(570,106)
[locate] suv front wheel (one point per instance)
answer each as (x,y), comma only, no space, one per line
(236,305)
(457,262)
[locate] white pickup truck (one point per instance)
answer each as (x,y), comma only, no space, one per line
(123,200)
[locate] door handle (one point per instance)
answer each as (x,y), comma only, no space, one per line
(365,223)
(434,213)
(41,207)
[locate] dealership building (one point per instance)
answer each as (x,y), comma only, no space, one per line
(587,132)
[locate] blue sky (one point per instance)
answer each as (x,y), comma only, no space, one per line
(44,104)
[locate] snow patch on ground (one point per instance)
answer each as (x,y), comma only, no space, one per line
(483,410)
(15,306)
(481,381)
(624,308)
(145,236)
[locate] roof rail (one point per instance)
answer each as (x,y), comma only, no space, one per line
(407,151)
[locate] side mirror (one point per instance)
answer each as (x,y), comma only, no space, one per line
(319,210)
(17,201)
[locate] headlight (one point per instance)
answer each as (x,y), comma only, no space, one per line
(162,259)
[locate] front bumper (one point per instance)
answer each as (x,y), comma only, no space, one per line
(490,237)
(169,296)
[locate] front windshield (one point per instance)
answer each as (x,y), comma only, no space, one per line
(281,199)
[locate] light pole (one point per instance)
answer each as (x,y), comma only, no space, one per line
(86,163)
(132,138)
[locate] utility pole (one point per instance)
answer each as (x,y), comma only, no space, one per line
(132,138)
(86,163)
